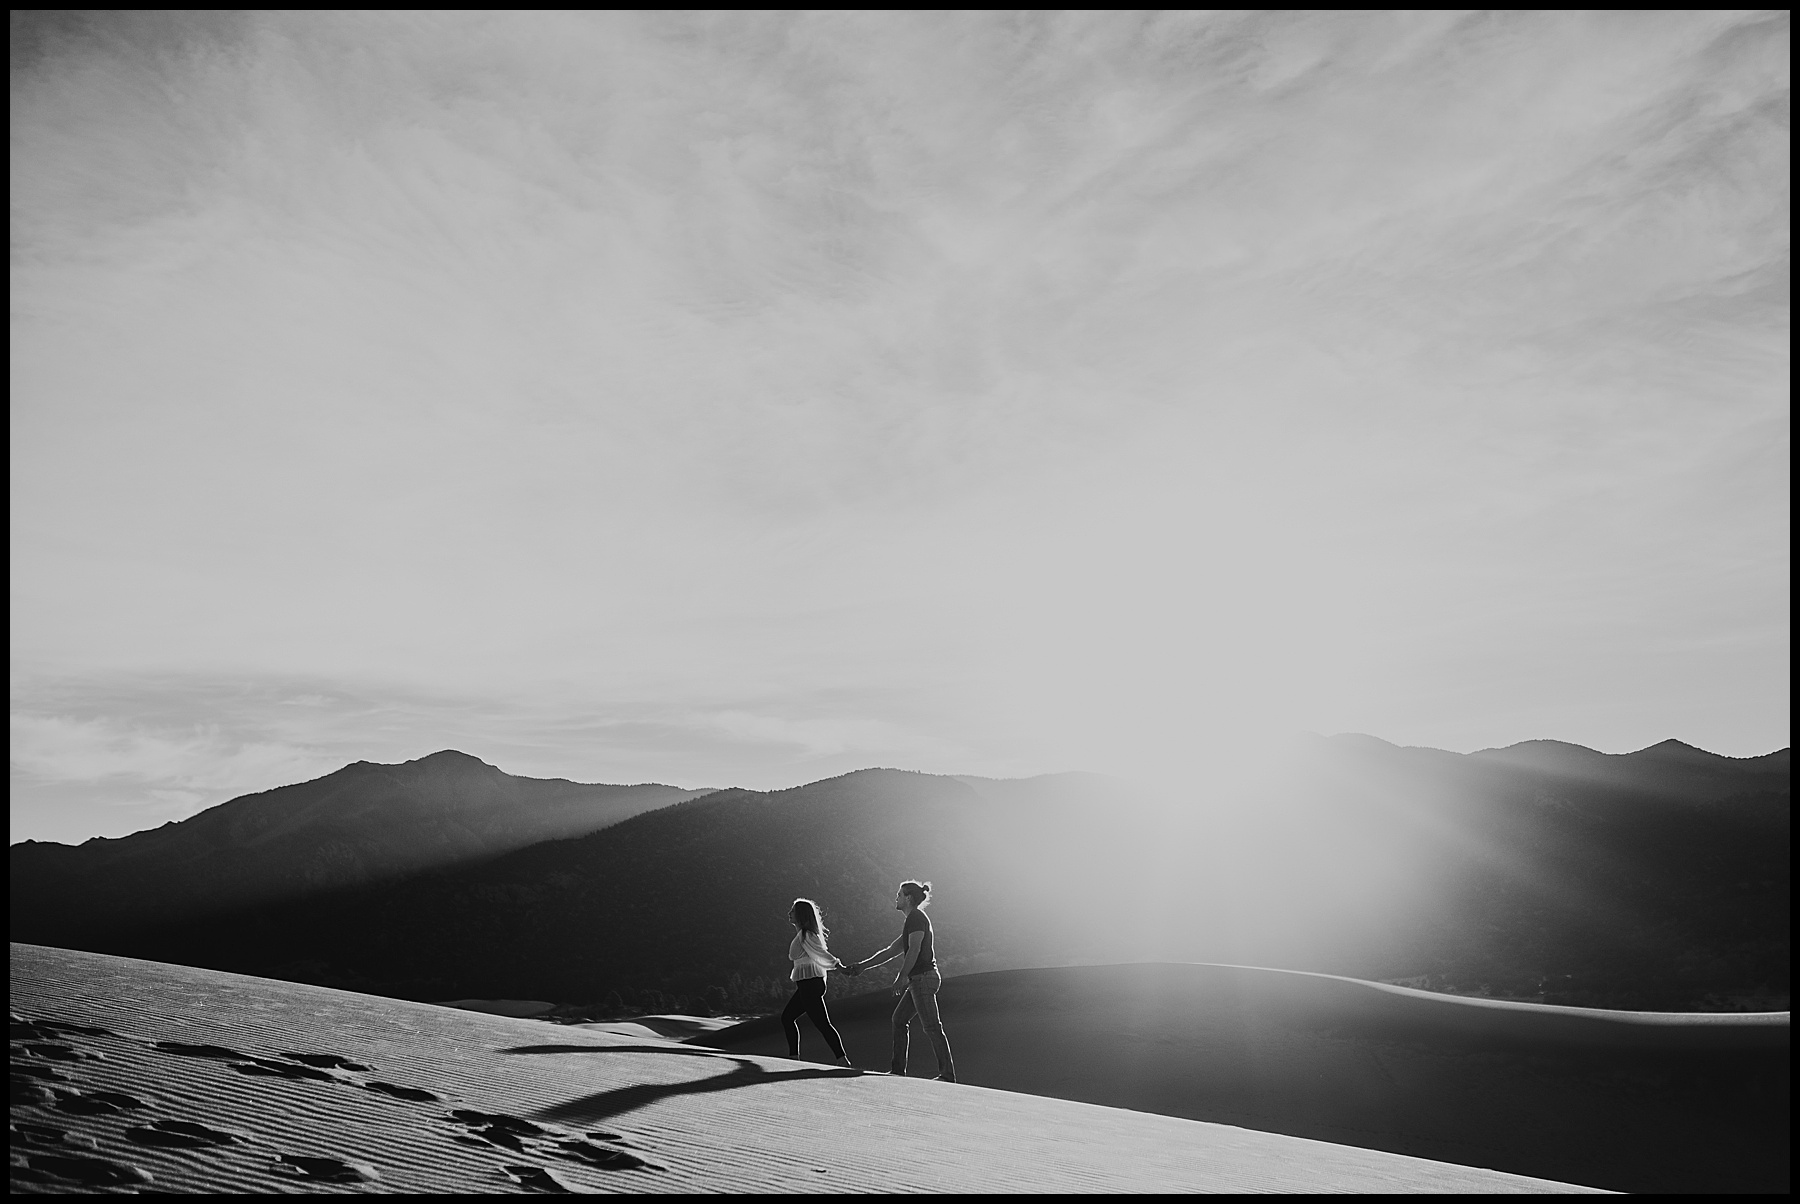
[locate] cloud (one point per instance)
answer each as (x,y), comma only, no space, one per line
(894,258)
(817,737)
(61,750)
(1045,384)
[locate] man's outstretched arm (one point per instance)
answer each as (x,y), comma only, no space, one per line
(875,959)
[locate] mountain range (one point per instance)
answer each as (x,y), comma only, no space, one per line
(365,823)
(1656,879)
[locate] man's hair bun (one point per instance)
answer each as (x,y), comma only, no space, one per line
(915,890)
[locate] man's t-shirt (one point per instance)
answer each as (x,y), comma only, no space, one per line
(918,921)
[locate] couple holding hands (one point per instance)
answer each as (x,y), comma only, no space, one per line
(917,983)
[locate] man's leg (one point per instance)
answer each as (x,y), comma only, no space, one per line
(903,1014)
(927,1004)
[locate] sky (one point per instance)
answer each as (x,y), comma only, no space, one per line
(740,399)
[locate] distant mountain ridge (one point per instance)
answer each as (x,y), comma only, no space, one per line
(1656,879)
(364,823)
(1653,879)
(1667,768)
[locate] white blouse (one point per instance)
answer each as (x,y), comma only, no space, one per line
(810,957)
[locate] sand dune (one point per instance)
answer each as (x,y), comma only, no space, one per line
(140,1076)
(1624,1100)
(517,1008)
(674,1028)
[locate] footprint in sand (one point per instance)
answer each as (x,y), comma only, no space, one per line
(524,1137)
(67,1168)
(95,1103)
(26,1133)
(326,1061)
(417,1094)
(316,1067)
(27,1070)
(56,1051)
(23,1093)
(184,1050)
(537,1178)
(324,1170)
(270,1068)
(24,1030)
(245,1063)
(589,1154)
(491,1128)
(179,1135)
(23,1133)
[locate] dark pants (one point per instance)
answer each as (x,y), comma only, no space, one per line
(921,1000)
(809,997)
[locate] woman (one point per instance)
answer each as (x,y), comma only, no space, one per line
(812,961)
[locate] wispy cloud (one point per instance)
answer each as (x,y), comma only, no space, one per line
(56,749)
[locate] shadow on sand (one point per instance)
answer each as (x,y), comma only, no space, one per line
(604,1105)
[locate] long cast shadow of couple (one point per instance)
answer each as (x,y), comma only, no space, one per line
(620,1100)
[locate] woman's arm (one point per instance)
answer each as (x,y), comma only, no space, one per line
(814,950)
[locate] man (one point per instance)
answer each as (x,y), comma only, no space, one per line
(918,982)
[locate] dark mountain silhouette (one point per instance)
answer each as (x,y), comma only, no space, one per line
(1670,769)
(678,901)
(363,824)
(1654,879)
(1658,879)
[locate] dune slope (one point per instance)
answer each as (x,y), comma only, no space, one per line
(139,1076)
(1629,1101)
